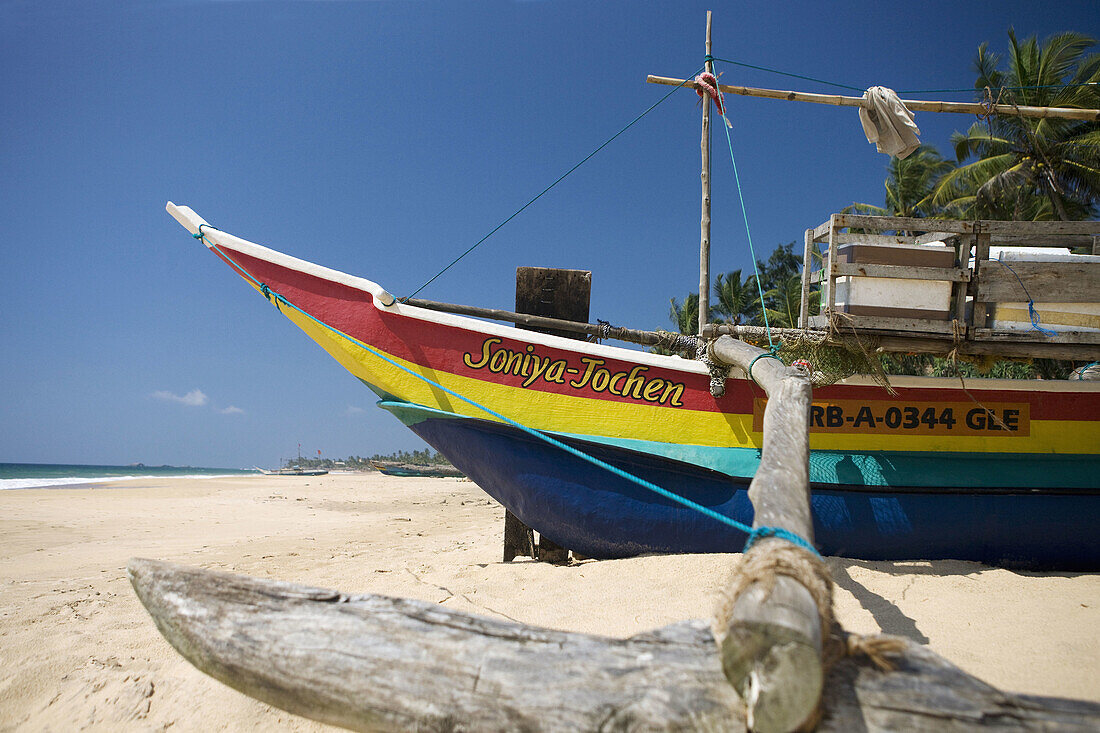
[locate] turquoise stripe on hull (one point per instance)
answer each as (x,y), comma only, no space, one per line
(1004,471)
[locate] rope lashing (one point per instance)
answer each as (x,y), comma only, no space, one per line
(683,501)
(1031,312)
(765,355)
(706,84)
(761,533)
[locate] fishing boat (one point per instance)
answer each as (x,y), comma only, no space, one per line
(998,471)
(292,471)
(413,470)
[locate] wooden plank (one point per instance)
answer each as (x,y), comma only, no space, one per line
(771,649)
(369,662)
(915,105)
(807,265)
(930,237)
(1045,282)
(1040,227)
(1041,240)
(821,231)
(902,272)
(1062,337)
(856,238)
(960,289)
(844,322)
(553,293)
(979,313)
(903,223)
(830,267)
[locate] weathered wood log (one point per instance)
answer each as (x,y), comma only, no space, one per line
(373,663)
(771,650)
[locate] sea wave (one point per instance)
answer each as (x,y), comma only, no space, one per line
(62,481)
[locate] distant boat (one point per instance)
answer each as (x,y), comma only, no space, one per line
(289,471)
(396,468)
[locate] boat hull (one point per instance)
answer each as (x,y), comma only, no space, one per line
(599,514)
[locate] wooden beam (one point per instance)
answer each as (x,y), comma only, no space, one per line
(903,223)
(914,105)
(373,663)
(771,651)
(807,264)
(902,272)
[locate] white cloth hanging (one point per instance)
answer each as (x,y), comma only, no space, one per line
(888,123)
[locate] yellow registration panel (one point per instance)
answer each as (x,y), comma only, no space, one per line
(913,418)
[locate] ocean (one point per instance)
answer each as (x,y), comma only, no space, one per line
(44,475)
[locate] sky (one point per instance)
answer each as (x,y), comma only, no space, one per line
(383,138)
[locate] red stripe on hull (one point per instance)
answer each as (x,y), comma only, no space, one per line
(448,348)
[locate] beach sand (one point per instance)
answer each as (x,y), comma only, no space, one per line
(77,650)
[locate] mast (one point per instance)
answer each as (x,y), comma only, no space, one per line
(704,224)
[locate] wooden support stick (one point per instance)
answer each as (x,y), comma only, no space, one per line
(771,651)
(915,105)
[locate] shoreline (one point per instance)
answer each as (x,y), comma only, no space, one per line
(80,650)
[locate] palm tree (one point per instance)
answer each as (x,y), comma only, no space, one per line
(784,301)
(1028,168)
(910,183)
(735,297)
(685,316)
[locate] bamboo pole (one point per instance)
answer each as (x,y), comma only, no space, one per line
(914,105)
(704,223)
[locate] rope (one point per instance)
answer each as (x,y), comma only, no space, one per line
(540,194)
(706,511)
(765,355)
(748,230)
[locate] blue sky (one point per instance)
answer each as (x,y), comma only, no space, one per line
(383,139)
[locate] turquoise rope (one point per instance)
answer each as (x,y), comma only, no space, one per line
(545,190)
(765,355)
(753,534)
(748,233)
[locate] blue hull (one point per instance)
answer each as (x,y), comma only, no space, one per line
(599,514)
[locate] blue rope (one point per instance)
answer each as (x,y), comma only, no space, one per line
(752,533)
(1031,312)
(748,233)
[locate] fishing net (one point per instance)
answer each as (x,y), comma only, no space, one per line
(831,355)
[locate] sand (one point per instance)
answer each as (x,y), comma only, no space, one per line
(77,650)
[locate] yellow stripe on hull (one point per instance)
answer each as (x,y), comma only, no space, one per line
(584,416)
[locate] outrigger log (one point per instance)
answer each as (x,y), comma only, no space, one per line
(373,663)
